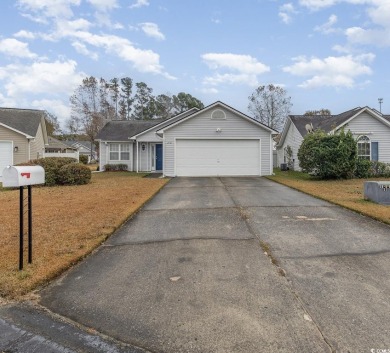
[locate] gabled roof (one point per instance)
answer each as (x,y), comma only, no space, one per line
(329,123)
(176,117)
(122,130)
(24,121)
(323,122)
(57,144)
(78,144)
(219,103)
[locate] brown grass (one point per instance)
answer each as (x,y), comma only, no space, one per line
(68,223)
(346,193)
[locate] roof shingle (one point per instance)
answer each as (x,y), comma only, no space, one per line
(23,120)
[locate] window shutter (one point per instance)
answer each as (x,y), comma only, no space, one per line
(374,151)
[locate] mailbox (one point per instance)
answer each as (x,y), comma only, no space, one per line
(23,175)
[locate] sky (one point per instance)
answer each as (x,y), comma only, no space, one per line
(331,54)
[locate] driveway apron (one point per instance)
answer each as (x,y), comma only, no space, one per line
(201,268)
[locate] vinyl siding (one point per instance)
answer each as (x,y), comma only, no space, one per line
(376,131)
(104,158)
(19,140)
(202,126)
(294,140)
(37,145)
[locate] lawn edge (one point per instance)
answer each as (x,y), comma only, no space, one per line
(45,282)
(270,177)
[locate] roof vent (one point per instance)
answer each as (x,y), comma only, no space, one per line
(218,114)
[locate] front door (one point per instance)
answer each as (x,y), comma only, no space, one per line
(159,155)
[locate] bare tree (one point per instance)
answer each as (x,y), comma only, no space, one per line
(270,105)
(89,108)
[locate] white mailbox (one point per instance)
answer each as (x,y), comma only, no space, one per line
(23,175)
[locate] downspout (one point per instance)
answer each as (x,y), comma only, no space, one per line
(137,155)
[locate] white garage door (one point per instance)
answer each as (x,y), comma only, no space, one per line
(5,155)
(217,157)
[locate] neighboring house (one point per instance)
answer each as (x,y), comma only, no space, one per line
(215,141)
(57,146)
(84,148)
(23,135)
(370,128)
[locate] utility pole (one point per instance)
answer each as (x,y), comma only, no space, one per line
(380,100)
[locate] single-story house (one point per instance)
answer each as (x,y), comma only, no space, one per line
(84,148)
(215,141)
(23,135)
(370,128)
(56,146)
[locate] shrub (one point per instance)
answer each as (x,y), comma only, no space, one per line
(328,156)
(371,169)
(83,159)
(363,168)
(74,174)
(115,168)
(52,166)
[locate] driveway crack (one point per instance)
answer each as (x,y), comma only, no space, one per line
(267,251)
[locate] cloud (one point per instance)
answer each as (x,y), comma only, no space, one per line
(16,48)
(50,8)
(317,4)
(377,37)
(24,34)
(327,27)
(379,14)
(139,3)
(209,90)
(286,11)
(104,5)
(332,71)
(143,60)
(49,78)
(55,106)
(152,30)
(82,49)
(242,69)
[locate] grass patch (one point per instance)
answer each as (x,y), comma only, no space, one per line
(68,223)
(347,193)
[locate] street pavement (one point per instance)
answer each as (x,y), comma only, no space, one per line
(228,265)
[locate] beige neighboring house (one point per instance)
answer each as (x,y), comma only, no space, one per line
(23,135)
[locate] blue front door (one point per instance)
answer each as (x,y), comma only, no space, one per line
(159,155)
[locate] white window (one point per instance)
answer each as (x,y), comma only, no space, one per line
(125,151)
(364,147)
(119,152)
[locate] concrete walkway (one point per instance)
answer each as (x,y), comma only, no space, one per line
(235,265)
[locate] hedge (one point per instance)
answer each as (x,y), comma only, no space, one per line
(115,167)
(74,174)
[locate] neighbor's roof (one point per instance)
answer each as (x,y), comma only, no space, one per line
(327,122)
(121,130)
(25,121)
(57,144)
(84,144)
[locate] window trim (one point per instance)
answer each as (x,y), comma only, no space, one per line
(122,148)
(364,140)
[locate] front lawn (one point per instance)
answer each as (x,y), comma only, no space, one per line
(346,193)
(68,223)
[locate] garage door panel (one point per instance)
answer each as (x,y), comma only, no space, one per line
(217,157)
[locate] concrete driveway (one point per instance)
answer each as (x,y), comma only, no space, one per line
(190,274)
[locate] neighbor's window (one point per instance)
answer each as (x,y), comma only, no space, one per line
(119,152)
(364,147)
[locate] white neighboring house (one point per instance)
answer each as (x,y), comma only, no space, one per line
(84,148)
(215,141)
(370,128)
